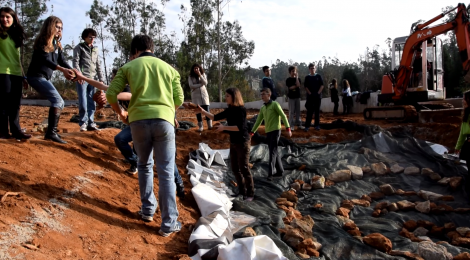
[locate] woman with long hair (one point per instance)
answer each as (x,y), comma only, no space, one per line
(347,97)
(462,148)
(47,57)
(197,82)
(334,95)
(12,77)
(235,115)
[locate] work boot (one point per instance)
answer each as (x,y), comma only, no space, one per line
(201,127)
(53,121)
(209,124)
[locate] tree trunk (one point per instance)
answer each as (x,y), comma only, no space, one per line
(104,55)
(219,83)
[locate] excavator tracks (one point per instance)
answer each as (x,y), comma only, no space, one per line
(399,113)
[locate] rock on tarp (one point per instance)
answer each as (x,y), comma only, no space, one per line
(324,159)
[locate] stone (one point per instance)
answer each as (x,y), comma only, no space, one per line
(410,225)
(461,241)
(379,168)
(424,238)
(455,182)
(65,130)
(420,231)
(383,212)
(376,195)
(343,220)
(405,205)
(354,233)
(356,172)
(302,255)
(340,176)
(440,209)
(436,231)
(329,183)
(362,203)
(462,256)
(410,193)
(411,170)
(376,213)
(309,243)
(306,223)
(318,205)
(347,204)
(435,176)
(249,232)
(366,197)
(293,237)
(306,187)
(367,170)
(280,199)
(462,210)
(428,195)
(462,231)
(387,189)
(381,205)
(343,212)
(392,207)
(406,254)
(295,186)
(313,252)
(350,226)
(301,182)
(425,224)
(318,182)
(444,181)
(423,207)
(395,169)
(407,234)
(426,171)
(449,226)
(430,251)
(447,198)
(290,196)
(378,241)
(302,167)
(285,203)
(400,192)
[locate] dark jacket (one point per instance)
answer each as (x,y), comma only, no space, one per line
(269,83)
(44,63)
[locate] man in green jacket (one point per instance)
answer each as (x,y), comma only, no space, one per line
(272,114)
(156,93)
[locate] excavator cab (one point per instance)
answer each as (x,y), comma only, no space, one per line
(431,78)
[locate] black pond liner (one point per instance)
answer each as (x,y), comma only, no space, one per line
(323,159)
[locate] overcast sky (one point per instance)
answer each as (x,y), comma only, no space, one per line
(300,30)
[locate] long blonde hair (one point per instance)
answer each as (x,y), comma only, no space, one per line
(46,37)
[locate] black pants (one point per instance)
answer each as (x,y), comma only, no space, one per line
(10,101)
(347,105)
(199,116)
(313,106)
(239,159)
(275,163)
(335,109)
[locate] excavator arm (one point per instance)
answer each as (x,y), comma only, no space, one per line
(401,77)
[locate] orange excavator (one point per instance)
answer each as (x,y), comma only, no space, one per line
(415,87)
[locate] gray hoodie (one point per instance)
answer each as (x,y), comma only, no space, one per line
(86,60)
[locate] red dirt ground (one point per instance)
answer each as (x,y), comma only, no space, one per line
(77,202)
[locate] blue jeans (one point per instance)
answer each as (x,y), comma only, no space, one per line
(86,105)
(45,88)
(122,141)
(156,135)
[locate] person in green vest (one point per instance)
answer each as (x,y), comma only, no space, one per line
(462,148)
(271,112)
(11,74)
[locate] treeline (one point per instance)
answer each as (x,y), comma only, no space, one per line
(218,45)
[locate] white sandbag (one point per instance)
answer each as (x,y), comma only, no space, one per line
(254,248)
(208,200)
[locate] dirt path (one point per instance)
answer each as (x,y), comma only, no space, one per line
(77,202)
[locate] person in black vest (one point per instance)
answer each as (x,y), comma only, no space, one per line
(334,95)
(314,87)
(293,88)
(268,82)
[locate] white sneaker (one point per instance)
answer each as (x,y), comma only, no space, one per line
(83,128)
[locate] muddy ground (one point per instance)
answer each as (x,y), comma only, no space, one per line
(76,202)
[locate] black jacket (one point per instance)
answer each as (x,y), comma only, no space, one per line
(44,63)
